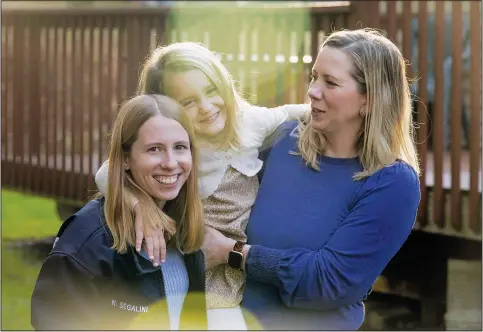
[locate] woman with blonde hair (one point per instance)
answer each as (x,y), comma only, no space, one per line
(339,194)
(230,133)
(94,278)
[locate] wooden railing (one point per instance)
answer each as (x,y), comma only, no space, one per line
(66,71)
(442,41)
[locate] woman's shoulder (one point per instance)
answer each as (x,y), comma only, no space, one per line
(83,232)
(396,180)
(400,171)
(286,129)
(289,126)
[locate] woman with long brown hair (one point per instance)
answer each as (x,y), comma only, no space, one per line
(94,278)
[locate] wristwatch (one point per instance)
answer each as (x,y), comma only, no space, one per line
(235,258)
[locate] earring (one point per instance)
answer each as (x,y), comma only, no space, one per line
(362,113)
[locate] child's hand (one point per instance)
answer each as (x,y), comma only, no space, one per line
(154,245)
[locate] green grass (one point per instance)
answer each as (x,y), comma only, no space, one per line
(23,217)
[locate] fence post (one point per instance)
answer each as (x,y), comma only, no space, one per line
(364,14)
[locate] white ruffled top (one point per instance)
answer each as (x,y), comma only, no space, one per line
(255,124)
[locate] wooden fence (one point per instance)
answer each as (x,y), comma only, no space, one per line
(66,71)
(442,40)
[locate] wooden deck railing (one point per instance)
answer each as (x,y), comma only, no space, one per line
(66,71)
(442,41)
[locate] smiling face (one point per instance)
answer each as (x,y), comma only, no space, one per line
(334,95)
(200,100)
(160,159)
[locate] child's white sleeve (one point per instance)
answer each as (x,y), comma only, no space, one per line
(295,111)
(101,177)
(268,119)
(101,182)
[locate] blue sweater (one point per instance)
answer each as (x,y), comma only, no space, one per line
(320,239)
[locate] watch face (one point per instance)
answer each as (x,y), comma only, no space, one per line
(235,260)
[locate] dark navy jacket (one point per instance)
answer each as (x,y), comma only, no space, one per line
(84,284)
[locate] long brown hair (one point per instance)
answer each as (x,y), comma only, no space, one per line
(184,215)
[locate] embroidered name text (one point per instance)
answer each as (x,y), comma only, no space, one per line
(133,308)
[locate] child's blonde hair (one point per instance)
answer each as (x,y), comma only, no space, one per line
(185,56)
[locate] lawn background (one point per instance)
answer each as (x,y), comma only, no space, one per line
(23,218)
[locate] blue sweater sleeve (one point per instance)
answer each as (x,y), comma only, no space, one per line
(343,271)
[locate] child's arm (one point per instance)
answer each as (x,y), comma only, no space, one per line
(101,182)
(101,178)
(267,120)
(155,245)
(294,111)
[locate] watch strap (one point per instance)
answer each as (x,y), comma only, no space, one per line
(238,247)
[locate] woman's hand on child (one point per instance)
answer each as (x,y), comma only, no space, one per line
(216,247)
(155,245)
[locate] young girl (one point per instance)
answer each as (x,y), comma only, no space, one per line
(230,132)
